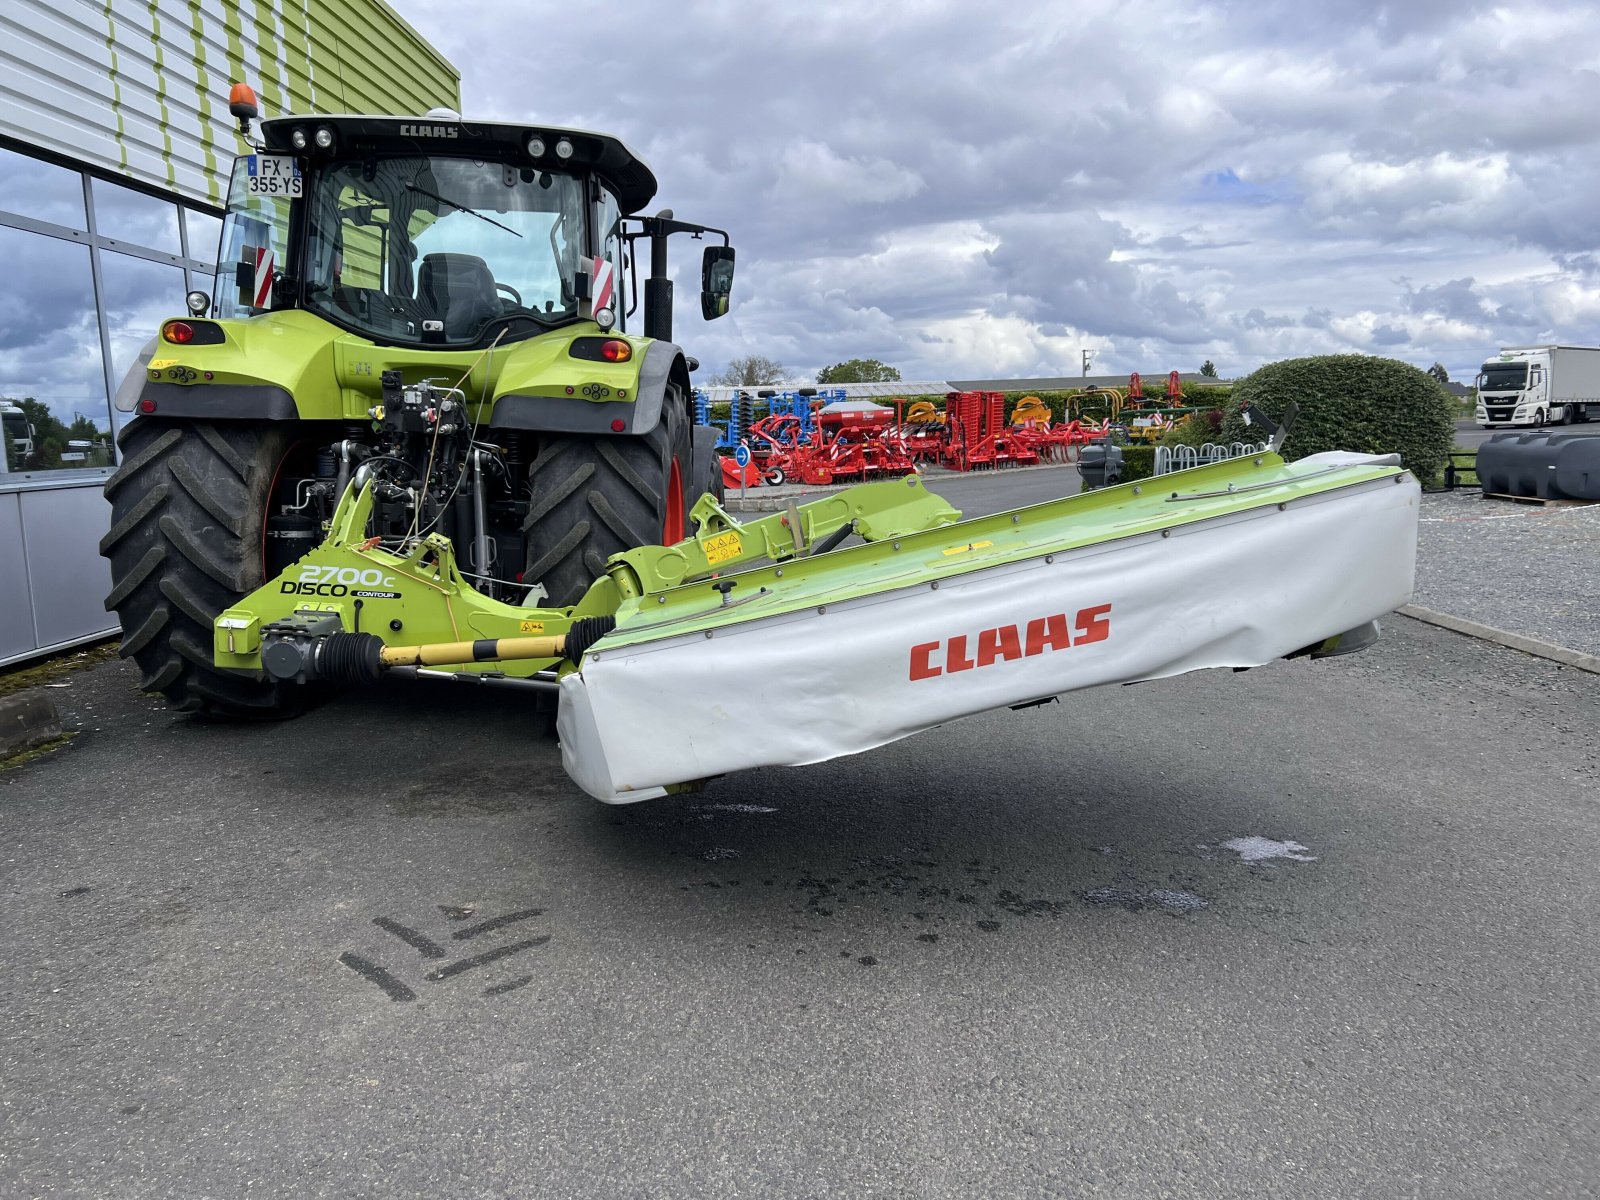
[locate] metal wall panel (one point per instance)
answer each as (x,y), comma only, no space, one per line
(53,582)
(67,578)
(16,608)
(139,88)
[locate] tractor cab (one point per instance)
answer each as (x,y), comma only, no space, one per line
(441,233)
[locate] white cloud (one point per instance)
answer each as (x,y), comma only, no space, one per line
(809,167)
(971,191)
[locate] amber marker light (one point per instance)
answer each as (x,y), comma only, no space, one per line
(243,105)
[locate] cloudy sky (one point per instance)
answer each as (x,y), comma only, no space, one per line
(974,190)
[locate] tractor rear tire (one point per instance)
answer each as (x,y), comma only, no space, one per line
(188,508)
(593,497)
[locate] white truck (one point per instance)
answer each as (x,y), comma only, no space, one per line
(18,433)
(1539,385)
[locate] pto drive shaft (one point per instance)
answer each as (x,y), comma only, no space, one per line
(483,650)
(305,652)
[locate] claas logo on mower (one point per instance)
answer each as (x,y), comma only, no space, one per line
(1006,643)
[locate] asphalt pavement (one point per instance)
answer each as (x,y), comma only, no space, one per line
(390,950)
(1316,929)
(1470,435)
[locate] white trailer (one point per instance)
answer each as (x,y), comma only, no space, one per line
(1538,385)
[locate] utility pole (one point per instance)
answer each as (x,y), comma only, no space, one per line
(1087,355)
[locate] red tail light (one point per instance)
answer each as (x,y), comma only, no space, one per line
(616,350)
(179,332)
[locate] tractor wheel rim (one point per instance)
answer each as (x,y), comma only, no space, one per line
(672,524)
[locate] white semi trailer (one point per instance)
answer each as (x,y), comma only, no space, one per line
(1539,385)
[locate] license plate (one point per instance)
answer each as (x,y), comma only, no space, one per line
(275,175)
(723,547)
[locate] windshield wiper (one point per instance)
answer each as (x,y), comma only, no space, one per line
(411,187)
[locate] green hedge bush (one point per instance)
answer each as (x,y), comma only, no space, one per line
(1138,462)
(1351,402)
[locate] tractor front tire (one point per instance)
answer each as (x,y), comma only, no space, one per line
(188,507)
(592,497)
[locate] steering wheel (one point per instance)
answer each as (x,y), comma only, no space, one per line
(516,296)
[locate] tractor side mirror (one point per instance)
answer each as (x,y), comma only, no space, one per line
(716,281)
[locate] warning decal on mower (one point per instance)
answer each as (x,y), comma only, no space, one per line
(723,547)
(1010,642)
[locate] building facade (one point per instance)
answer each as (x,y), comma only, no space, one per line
(115,149)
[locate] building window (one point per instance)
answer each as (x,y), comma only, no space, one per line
(91,270)
(41,191)
(123,216)
(52,377)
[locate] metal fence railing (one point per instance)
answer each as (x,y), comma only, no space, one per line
(1181,458)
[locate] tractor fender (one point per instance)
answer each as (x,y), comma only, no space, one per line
(175,397)
(663,364)
(222,401)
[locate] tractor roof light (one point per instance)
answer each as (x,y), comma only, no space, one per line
(297,139)
(536,146)
(564,148)
(243,105)
(325,139)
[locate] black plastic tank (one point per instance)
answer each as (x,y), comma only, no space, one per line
(1551,466)
(1100,465)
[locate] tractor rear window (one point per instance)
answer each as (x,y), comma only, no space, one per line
(443,250)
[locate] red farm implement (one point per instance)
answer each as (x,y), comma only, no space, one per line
(978,434)
(855,439)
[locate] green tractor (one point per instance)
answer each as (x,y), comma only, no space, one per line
(436,311)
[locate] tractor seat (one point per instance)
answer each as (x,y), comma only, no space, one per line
(459,290)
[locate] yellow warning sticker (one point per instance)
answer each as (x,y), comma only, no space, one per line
(530,626)
(723,547)
(157,364)
(967,549)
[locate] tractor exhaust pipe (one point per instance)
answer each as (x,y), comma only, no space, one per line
(658,288)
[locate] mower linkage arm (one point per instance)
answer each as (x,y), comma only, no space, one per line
(875,511)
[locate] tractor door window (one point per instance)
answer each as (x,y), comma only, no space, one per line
(608,229)
(255,234)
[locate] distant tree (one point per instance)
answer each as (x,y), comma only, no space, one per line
(1208,369)
(859,370)
(750,370)
(1439,373)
